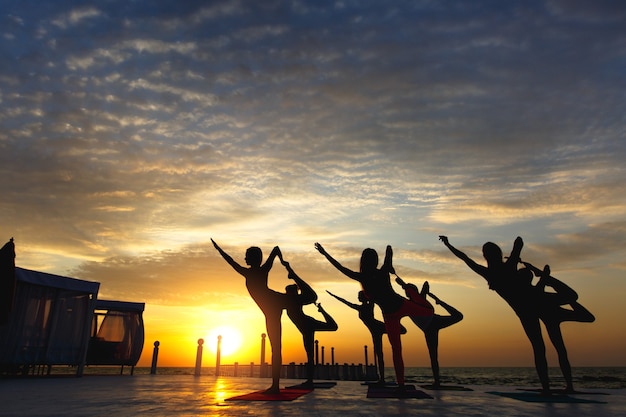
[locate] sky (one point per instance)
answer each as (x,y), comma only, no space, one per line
(133,132)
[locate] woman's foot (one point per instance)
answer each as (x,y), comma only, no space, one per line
(569,389)
(434,297)
(273,390)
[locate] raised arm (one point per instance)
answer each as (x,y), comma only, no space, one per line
(270,259)
(514,257)
(307,294)
(346,302)
(240,269)
(479,269)
(347,272)
(387,264)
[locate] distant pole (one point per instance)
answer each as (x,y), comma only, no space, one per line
(317,352)
(262,371)
(199,357)
(366,362)
(332,355)
(323,356)
(155,357)
(218,356)
(263,335)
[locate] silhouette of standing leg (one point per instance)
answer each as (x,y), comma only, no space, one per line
(274,331)
(532,328)
(431,334)
(393,334)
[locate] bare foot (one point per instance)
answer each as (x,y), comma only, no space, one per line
(272,391)
(437,300)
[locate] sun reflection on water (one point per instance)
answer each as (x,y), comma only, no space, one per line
(223,390)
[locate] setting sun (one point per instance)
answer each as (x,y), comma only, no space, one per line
(231,340)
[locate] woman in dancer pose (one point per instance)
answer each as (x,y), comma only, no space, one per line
(377,286)
(269,301)
(376,328)
(502,277)
(299,295)
(552,313)
(431,333)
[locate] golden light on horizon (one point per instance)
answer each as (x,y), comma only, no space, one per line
(231,340)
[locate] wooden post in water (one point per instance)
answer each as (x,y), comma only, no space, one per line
(262,373)
(332,355)
(366,362)
(199,357)
(155,357)
(317,352)
(218,355)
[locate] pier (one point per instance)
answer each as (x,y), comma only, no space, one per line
(323,371)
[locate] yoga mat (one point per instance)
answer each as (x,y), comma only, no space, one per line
(286,394)
(446,388)
(534,397)
(393,392)
(563,392)
(316,385)
(377,384)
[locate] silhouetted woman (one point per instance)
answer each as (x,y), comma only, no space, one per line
(376,328)
(377,285)
(431,333)
(553,314)
(502,277)
(299,295)
(269,301)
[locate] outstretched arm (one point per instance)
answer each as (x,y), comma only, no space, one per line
(307,294)
(479,269)
(229,259)
(347,272)
(346,302)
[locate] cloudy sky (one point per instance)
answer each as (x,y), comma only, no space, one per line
(131,132)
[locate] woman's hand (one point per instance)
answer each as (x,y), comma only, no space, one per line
(320,248)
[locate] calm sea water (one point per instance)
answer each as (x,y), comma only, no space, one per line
(591,377)
(584,377)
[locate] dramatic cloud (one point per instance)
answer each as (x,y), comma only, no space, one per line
(132,132)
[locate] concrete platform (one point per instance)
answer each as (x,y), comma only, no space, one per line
(185,395)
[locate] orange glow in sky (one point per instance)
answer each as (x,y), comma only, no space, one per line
(129,139)
(230,340)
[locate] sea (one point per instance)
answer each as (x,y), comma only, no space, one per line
(584,377)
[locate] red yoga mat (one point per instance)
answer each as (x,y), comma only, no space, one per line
(286,394)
